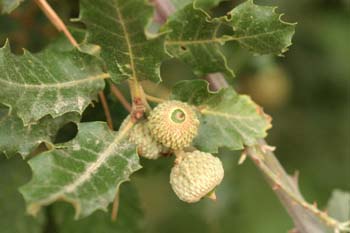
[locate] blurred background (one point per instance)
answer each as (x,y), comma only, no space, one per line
(307,93)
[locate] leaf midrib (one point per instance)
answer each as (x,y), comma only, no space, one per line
(220,39)
(91,169)
(127,40)
(226,115)
(57,85)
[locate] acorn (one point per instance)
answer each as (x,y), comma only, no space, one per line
(173,124)
(147,147)
(195,175)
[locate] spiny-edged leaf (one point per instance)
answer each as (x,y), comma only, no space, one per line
(13,219)
(118,26)
(85,172)
(195,40)
(48,83)
(16,138)
(130,216)
(339,205)
(260,29)
(227,118)
(7,6)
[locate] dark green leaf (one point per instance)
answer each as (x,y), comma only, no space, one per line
(85,172)
(227,119)
(129,220)
(260,29)
(196,41)
(15,138)
(48,83)
(118,26)
(13,219)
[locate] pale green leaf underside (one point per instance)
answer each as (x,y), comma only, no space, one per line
(85,172)
(15,138)
(13,218)
(227,119)
(339,205)
(48,83)
(7,6)
(118,26)
(130,216)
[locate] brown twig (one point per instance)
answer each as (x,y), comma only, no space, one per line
(216,81)
(139,101)
(163,10)
(106,109)
(60,26)
(56,21)
(119,95)
(286,188)
(115,207)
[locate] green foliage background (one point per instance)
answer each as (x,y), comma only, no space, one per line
(306,92)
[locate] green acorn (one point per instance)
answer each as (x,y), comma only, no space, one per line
(174,124)
(195,175)
(147,147)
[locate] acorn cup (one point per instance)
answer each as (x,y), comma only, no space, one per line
(147,147)
(196,175)
(174,124)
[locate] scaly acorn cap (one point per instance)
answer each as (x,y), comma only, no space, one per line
(147,147)
(174,124)
(195,175)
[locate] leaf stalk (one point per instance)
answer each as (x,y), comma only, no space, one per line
(139,101)
(119,95)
